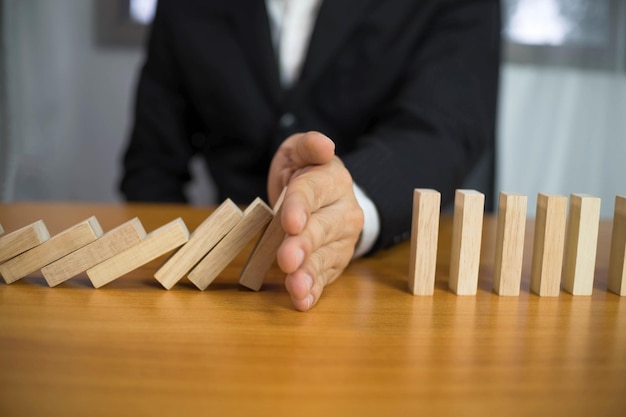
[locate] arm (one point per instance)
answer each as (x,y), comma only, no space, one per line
(439,119)
(156,160)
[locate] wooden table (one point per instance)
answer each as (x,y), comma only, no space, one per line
(368,347)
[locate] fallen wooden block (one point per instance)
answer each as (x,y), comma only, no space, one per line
(580,244)
(109,245)
(157,243)
(202,240)
(548,245)
(49,251)
(256,216)
(617,259)
(264,253)
(424,237)
(23,240)
(509,255)
(467,226)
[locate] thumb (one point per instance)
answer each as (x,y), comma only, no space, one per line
(311,148)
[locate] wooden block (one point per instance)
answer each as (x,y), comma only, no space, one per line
(256,216)
(548,245)
(1,229)
(424,237)
(509,254)
(109,245)
(202,240)
(467,226)
(580,244)
(55,248)
(264,253)
(22,240)
(159,242)
(617,257)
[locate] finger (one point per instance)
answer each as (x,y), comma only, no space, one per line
(311,148)
(319,187)
(305,286)
(294,156)
(333,223)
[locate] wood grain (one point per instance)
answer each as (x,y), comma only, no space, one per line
(617,264)
(509,251)
(263,255)
(49,251)
(579,264)
(110,244)
(23,239)
(424,238)
(368,348)
(158,243)
(202,240)
(469,207)
(256,217)
(548,245)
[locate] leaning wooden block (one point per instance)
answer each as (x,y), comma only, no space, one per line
(424,237)
(55,248)
(1,229)
(548,244)
(159,242)
(202,240)
(22,240)
(256,216)
(467,226)
(264,253)
(509,254)
(617,260)
(580,244)
(110,244)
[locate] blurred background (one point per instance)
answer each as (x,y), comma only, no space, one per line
(69,67)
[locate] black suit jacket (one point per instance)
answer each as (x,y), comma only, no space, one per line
(405,88)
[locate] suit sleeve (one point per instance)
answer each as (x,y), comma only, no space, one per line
(439,121)
(155,162)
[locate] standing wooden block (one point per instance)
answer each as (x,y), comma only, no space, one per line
(159,242)
(467,226)
(110,244)
(424,237)
(548,244)
(617,260)
(264,253)
(256,216)
(55,248)
(202,240)
(509,244)
(1,230)
(580,245)
(22,240)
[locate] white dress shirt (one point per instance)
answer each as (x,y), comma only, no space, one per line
(291,24)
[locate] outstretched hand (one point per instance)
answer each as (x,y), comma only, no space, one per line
(320,215)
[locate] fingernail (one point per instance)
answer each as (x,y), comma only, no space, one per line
(309,283)
(299,257)
(309,301)
(302,221)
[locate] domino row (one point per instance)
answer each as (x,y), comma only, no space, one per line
(104,257)
(564,249)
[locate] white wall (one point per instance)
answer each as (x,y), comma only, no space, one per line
(68,103)
(561,131)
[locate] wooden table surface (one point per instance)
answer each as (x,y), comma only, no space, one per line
(368,347)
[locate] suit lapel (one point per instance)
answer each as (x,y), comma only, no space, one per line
(336,20)
(252,25)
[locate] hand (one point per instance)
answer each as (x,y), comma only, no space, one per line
(320,215)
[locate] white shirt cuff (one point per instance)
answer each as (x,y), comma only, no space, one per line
(371,225)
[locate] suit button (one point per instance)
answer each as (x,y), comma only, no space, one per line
(287,120)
